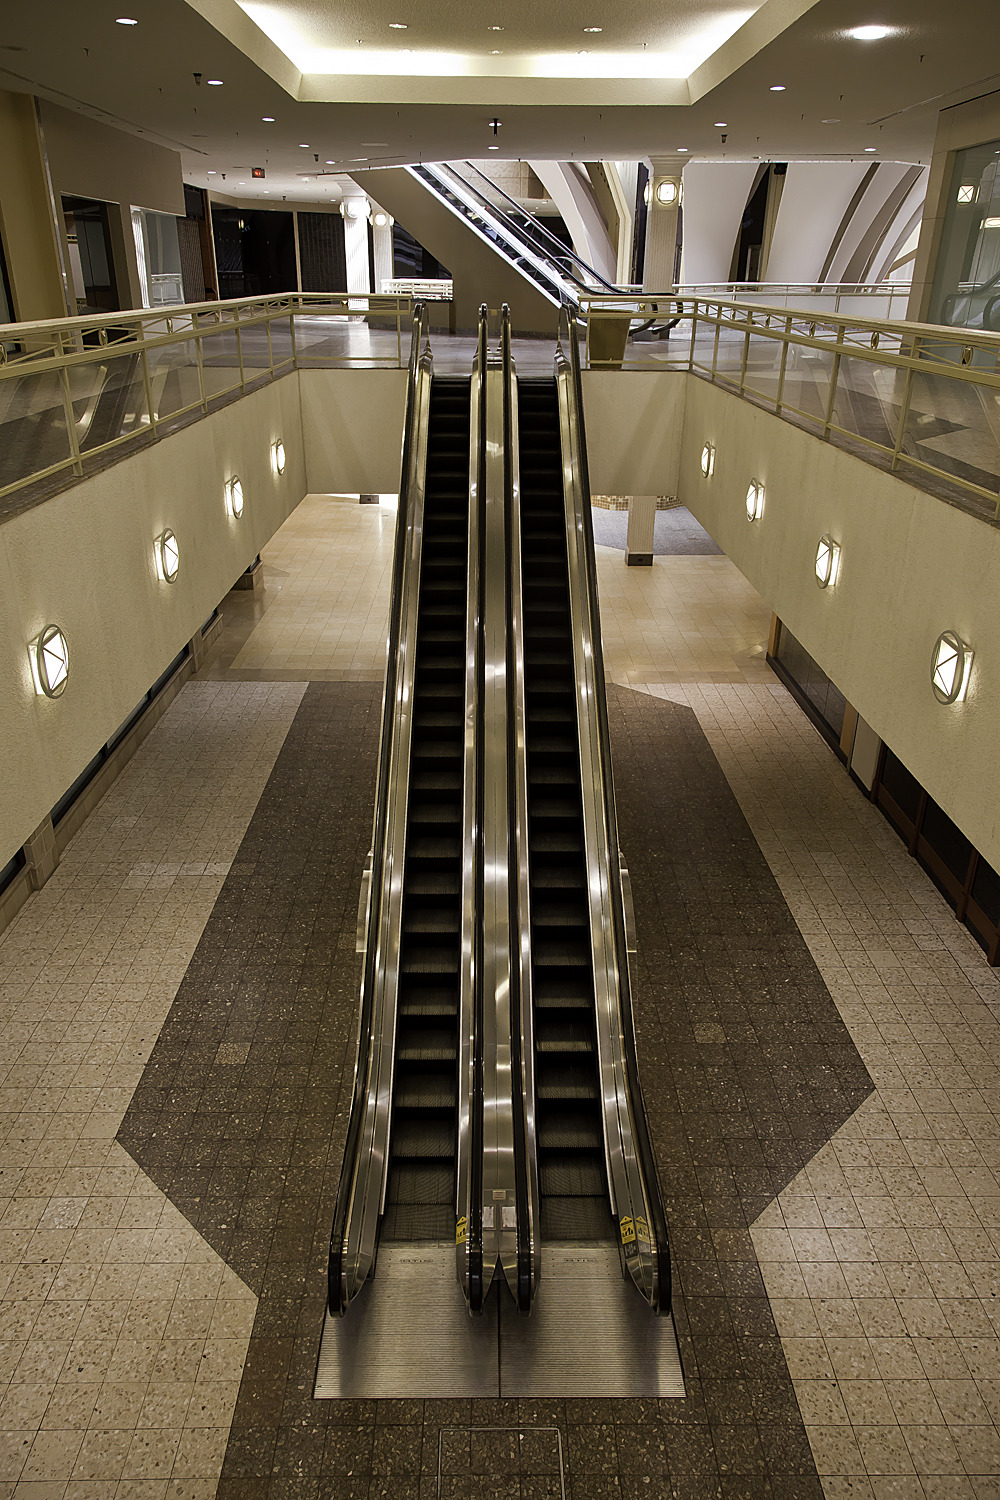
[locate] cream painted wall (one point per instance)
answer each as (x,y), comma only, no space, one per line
(715,195)
(633,422)
(92,160)
(84,561)
(26,227)
(911,567)
(353,426)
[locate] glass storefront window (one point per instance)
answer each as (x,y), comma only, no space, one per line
(967,278)
(158,254)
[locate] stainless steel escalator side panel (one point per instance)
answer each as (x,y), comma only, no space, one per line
(499,1181)
(361,1198)
(632,1196)
(523,1014)
(468,1179)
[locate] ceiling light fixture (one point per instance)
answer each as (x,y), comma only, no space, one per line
(494,28)
(166,555)
(683,150)
(967,193)
(49,655)
(593,28)
(721,125)
(303,145)
(869,33)
(397,25)
(215,83)
(267,119)
(951,665)
(827,562)
(126,21)
(777,88)
(871,148)
(354,208)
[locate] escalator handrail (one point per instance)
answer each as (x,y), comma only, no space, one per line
(542,230)
(353,1240)
(522,1009)
(550,280)
(469,1165)
(619,1039)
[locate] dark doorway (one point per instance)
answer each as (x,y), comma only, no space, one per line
(254,251)
(91,258)
(410,259)
(322,256)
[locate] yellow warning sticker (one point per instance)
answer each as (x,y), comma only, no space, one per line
(627,1229)
(460,1230)
(642,1231)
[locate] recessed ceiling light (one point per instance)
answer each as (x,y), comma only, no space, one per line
(397,25)
(493,148)
(211,171)
(721,125)
(126,21)
(683,149)
(242,184)
(303,145)
(829,122)
(494,28)
(329,164)
(871,148)
(215,83)
(496,52)
(267,119)
(777,88)
(593,28)
(869,33)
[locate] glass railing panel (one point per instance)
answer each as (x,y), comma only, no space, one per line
(762,376)
(33,431)
(120,409)
(953,427)
(868,401)
(174,380)
(805,390)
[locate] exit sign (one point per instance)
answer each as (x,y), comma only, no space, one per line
(256,171)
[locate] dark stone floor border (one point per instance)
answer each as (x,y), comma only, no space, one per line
(748,1069)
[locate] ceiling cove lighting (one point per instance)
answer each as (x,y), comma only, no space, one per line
(278,456)
(708,460)
(951,666)
(827,562)
(234,497)
(167,556)
(870,33)
(755,500)
(49,656)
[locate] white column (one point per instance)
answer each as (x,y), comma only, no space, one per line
(382,239)
(639,536)
(355,213)
(661,222)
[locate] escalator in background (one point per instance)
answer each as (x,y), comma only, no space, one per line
(553,268)
(420,1199)
(570,1142)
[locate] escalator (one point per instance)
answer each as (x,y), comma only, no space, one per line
(570,1144)
(420,1197)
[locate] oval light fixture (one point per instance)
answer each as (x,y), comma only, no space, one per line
(382,220)
(827,561)
(234,497)
(708,460)
(354,208)
(869,33)
(278,456)
(951,665)
(755,500)
(49,655)
(167,554)
(667,192)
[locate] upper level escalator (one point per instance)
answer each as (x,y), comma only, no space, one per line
(553,268)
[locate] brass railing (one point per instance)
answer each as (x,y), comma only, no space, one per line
(918,399)
(75,389)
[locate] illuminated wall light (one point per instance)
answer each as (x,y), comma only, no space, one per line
(708,460)
(278,456)
(967,193)
(354,208)
(234,497)
(870,33)
(993,223)
(827,562)
(951,667)
(668,192)
(755,500)
(167,555)
(380,219)
(49,655)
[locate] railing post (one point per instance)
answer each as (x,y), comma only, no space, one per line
(148,386)
(239,348)
(904,408)
(715,346)
(746,352)
(74,442)
(196,325)
(834,373)
(694,331)
(291,332)
(779,399)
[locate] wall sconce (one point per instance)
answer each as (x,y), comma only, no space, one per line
(49,655)
(167,555)
(666,193)
(354,208)
(951,666)
(708,460)
(278,456)
(827,561)
(755,500)
(380,219)
(234,497)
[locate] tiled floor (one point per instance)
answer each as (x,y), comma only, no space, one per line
(125,1333)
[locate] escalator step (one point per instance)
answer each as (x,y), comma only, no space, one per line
(424,1139)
